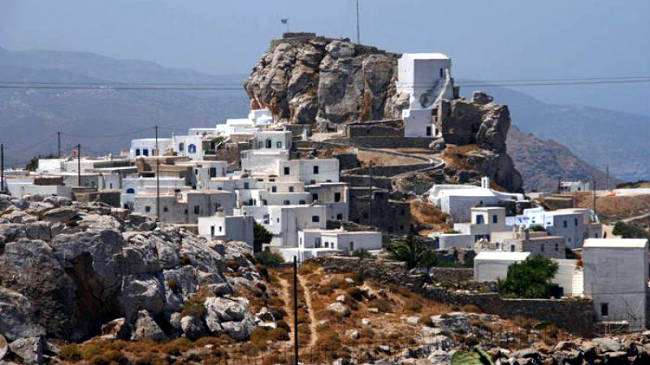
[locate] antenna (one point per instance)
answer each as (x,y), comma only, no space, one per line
(285,21)
(358,36)
(157,154)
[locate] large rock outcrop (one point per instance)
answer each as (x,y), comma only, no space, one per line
(305,79)
(69,269)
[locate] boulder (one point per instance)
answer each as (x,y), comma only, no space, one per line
(4,346)
(17,316)
(146,328)
(226,309)
(607,344)
(141,291)
(353,334)
(239,330)
(193,327)
(479,97)
(29,349)
(339,308)
(453,322)
(59,215)
(175,321)
(117,329)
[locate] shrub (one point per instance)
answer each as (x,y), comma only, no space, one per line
(362,254)
(356,293)
(173,286)
(626,230)
(530,278)
(194,305)
(413,305)
(70,353)
(261,235)
(537,228)
(282,324)
(383,305)
(307,268)
(185,260)
(470,308)
(413,252)
(269,259)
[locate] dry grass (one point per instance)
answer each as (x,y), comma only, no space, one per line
(455,156)
(425,213)
(613,208)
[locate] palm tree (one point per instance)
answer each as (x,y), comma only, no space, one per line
(413,252)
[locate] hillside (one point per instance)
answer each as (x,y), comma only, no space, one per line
(30,118)
(541,162)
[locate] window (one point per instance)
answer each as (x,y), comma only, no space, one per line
(165,209)
(181,147)
(110,186)
(337,197)
(246,185)
(191,148)
(428,132)
(604,309)
(512,248)
(315,170)
(278,144)
(266,219)
(197,209)
(339,217)
(211,230)
(542,247)
(315,218)
(269,144)
(495,218)
(137,152)
(302,201)
(441,73)
(317,242)
(220,228)
(557,247)
(265,202)
(274,189)
(130,191)
(479,219)
(575,222)
(300,241)
(314,196)
(351,246)
(213,172)
(147,209)
(287,170)
(145,152)
(286,202)
(565,224)
(291,189)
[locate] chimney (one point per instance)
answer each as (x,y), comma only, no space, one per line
(485,182)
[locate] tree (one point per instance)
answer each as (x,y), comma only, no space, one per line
(32,165)
(627,230)
(268,258)
(413,252)
(530,278)
(260,236)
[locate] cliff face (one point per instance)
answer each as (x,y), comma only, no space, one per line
(308,79)
(303,78)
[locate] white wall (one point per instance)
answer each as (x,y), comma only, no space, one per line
(309,171)
(139,146)
(227,228)
(491,266)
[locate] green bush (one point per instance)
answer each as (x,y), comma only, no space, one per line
(268,258)
(362,254)
(626,230)
(413,252)
(530,278)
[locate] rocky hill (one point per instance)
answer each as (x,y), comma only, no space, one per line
(71,271)
(543,162)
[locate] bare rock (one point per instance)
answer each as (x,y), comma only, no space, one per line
(146,328)
(117,329)
(239,331)
(59,215)
(193,327)
(29,349)
(17,316)
(453,322)
(339,308)
(141,291)
(4,346)
(479,97)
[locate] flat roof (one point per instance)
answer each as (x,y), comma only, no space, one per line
(426,56)
(502,255)
(616,242)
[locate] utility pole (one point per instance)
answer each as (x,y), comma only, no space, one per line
(607,179)
(295,310)
(594,205)
(58,140)
(157,178)
(370,199)
(358,36)
(79,165)
(2,168)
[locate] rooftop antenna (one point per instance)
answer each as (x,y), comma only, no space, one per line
(358,37)
(285,21)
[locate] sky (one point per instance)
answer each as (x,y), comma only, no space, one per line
(487,40)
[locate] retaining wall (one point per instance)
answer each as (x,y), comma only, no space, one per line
(576,316)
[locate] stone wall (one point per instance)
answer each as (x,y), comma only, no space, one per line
(387,170)
(385,128)
(386,142)
(452,274)
(576,316)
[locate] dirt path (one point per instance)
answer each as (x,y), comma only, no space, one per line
(286,298)
(310,311)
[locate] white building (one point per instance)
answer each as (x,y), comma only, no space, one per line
(227,228)
(493,265)
(457,200)
(285,221)
(309,171)
(574,224)
(616,278)
(426,77)
(334,196)
(574,186)
(237,126)
(320,242)
(272,140)
(134,185)
(147,147)
(263,161)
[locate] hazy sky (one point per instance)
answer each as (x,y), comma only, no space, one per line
(487,40)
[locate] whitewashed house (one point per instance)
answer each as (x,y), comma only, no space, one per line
(457,200)
(616,278)
(574,224)
(335,196)
(131,186)
(493,265)
(426,77)
(484,222)
(309,171)
(574,186)
(227,228)
(147,147)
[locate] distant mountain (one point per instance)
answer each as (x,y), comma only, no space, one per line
(105,120)
(598,136)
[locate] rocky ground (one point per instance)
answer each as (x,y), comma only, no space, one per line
(71,271)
